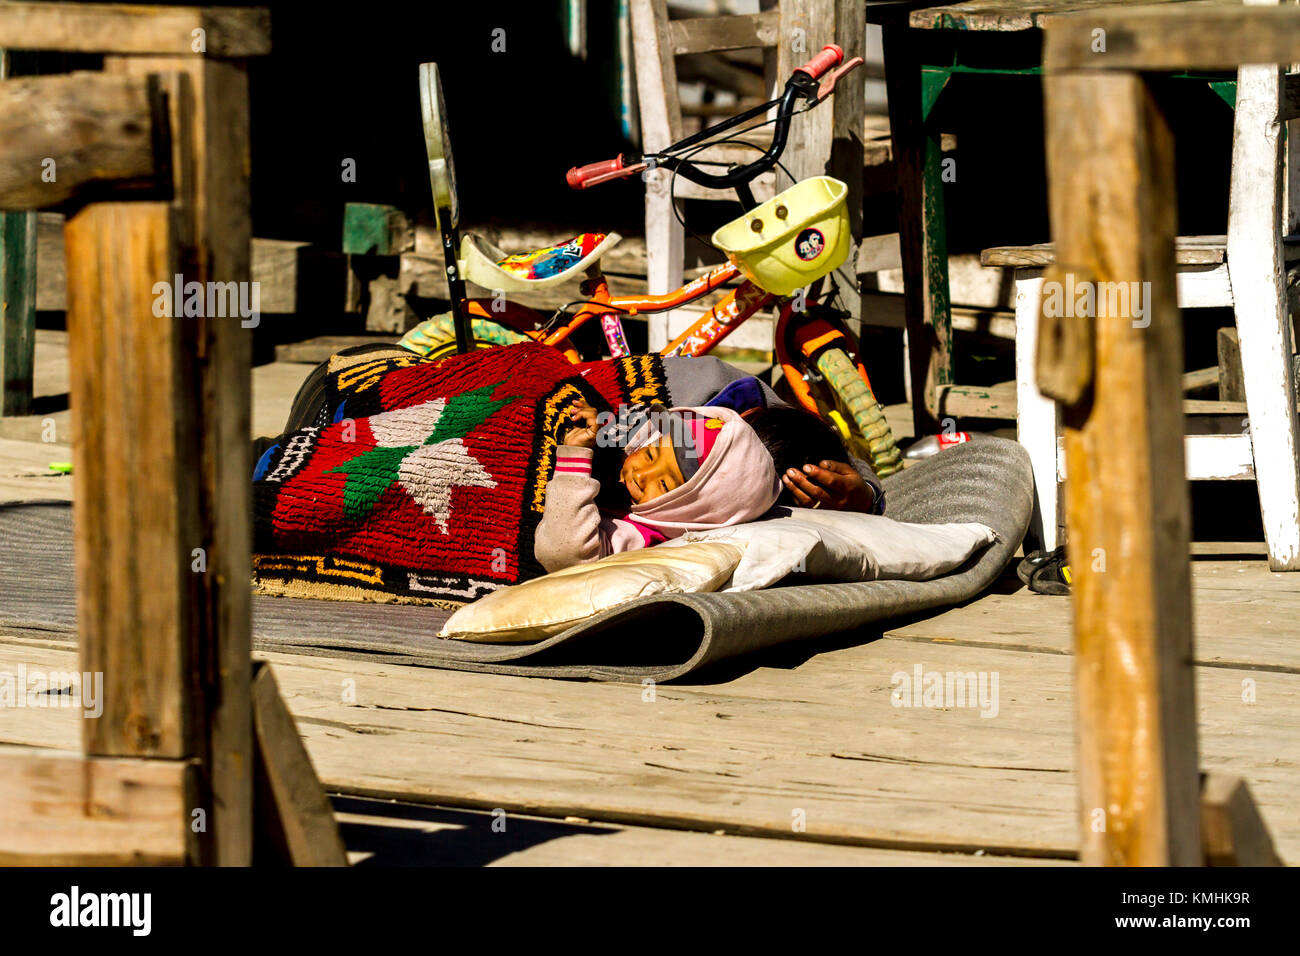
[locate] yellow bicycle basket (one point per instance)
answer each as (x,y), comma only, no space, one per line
(792,239)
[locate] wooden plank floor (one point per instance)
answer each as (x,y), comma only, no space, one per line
(806,735)
(798,756)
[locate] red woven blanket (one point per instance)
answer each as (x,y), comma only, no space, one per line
(429,485)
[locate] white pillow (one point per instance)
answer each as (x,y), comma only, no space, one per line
(843,546)
(545,606)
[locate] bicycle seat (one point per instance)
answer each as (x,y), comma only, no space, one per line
(485,265)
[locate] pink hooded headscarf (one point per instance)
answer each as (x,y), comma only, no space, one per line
(736,480)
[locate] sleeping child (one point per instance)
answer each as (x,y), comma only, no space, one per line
(687,469)
(682,469)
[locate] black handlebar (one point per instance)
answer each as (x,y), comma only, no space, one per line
(800,86)
(741,175)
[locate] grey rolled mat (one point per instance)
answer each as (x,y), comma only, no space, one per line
(987,480)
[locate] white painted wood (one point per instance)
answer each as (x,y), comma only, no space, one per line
(1208,457)
(1036,425)
(665,249)
(1218,457)
(656,85)
(1204,287)
(1255,263)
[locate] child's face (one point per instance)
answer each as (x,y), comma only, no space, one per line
(652,471)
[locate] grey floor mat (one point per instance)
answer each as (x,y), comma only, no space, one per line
(988,480)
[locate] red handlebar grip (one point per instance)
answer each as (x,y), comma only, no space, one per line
(831,56)
(578,176)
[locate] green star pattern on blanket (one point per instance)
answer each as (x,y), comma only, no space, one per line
(422,449)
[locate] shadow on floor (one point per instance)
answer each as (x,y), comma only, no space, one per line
(405,834)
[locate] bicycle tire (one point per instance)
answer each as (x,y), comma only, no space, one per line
(858,403)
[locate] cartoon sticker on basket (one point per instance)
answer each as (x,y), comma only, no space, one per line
(809,244)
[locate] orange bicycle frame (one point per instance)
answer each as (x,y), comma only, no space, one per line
(731,311)
(711,328)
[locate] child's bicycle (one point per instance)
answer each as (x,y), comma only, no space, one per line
(784,245)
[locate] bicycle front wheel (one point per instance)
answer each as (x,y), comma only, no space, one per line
(861,422)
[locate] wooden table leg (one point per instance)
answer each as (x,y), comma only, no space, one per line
(1110,165)
(922,237)
(17,311)
(17,302)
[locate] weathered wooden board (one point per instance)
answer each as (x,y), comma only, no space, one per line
(294,812)
(62,809)
(1188,251)
(1002,16)
(62,134)
(1257,207)
(274,388)
(25,470)
(17,311)
(714,34)
(122,28)
(1232,388)
(1171,36)
(977,401)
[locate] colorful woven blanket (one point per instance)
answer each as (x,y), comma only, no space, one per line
(428,485)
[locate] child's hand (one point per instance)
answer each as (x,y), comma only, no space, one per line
(583,433)
(833,484)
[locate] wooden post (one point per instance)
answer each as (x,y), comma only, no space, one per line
(160,397)
(211,164)
(828,140)
(134,479)
(17,302)
(1110,167)
(922,239)
(17,311)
